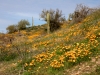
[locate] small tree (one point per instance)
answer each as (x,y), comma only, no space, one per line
(11,28)
(56,18)
(80,13)
(22,24)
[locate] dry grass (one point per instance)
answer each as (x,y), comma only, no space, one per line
(72,50)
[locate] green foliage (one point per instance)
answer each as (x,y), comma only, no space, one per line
(27,73)
(56,18)
(11,28)
(22,24)
(7,56)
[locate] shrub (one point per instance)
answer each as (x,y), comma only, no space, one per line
(22,24)
(56,18)
(80,13)
(11,28)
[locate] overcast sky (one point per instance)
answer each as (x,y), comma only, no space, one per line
(12,11)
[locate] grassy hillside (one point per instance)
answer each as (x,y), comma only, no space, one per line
(71,50)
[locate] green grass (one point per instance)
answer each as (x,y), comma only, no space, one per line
(55,43)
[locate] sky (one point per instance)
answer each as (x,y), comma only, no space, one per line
(12,11)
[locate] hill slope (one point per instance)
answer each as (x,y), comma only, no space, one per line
(72,50)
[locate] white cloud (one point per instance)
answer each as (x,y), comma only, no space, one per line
(25,14)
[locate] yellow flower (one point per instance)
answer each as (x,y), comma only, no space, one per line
(56,64)
(8,45)
(31,64)
(61,58)
(26,64)
(77,44)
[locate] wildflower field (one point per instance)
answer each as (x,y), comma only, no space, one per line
(57,53)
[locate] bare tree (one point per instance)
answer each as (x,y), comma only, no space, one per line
(56,18)
(80,13)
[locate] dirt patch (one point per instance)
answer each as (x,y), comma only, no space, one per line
(5,66)
(83,68)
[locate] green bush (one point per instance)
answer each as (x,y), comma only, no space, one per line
(22,24)
(11,28)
